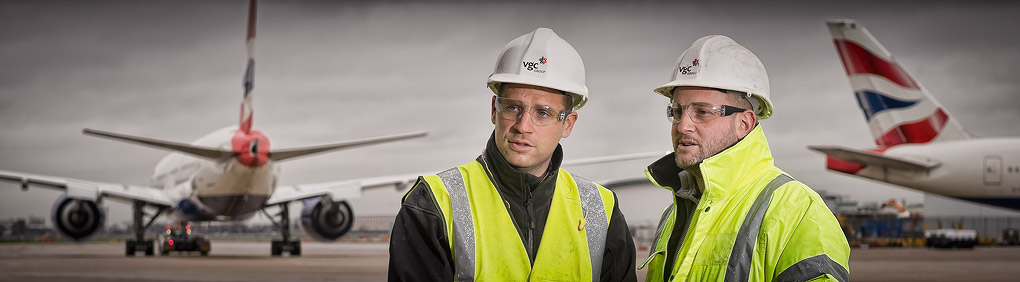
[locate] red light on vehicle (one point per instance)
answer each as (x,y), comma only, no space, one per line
(187,227)
(171,242)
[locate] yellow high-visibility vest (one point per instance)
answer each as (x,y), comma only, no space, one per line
(487,247)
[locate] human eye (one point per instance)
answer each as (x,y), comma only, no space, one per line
(543,113)
(702,110)
(512,108)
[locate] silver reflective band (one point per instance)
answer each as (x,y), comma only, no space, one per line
(739,266)
(597,223)
(662,224)
(813,267)
(658,234)
(463,225)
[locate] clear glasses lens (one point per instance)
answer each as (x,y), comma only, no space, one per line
(542,115)
(698,112)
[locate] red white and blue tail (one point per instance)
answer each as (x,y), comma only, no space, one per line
(898,109)
(247,110)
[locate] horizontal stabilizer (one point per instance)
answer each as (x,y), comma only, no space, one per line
(198,151)
(283,154)
(871,158)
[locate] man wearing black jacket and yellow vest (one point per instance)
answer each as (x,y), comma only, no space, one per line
(512,214)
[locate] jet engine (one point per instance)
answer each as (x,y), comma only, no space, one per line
(326,221)
(77,219)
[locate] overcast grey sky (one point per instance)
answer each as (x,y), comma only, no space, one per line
(331,71)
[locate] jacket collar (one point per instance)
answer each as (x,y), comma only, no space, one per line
(517,181)
(665,174)
(723,173)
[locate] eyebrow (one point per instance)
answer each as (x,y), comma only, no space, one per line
(522,103)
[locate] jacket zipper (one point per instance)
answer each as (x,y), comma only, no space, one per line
(531,221)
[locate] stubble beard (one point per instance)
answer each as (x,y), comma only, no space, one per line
(706,149)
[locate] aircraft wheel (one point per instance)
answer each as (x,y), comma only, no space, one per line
(295,248)
(129,248)
(277,248)
(150,248)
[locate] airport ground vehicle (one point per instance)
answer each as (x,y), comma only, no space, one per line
(179,239)
(951,238)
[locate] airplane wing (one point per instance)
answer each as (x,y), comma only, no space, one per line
(347,189)
(870,158)
(90,190)
(616,158)
(625,182)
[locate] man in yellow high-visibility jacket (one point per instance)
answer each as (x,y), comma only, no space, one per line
(735,216)
(512,214)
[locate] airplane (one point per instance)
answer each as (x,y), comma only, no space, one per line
(920,145)
(229,174)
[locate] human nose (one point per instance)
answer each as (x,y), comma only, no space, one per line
(524,122)
(686,124)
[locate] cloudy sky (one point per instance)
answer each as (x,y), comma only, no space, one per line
(332,71)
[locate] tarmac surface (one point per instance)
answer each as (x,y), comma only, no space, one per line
(250,261)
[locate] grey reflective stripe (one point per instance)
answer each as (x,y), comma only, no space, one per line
(658,235)
(597,224)
(662,224)
(739,267)
(813,267)
(463,225)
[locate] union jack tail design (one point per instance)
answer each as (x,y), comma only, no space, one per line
(897,108)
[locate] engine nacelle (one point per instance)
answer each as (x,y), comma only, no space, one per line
(77,219)
(326,222)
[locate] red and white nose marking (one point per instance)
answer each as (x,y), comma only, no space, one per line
(250,148)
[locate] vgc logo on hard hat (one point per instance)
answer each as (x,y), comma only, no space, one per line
(691,69)
(536,66)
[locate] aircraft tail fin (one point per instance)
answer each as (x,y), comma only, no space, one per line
(898,109)
(247,110)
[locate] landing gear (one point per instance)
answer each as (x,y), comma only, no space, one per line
(278,247)
(147,246)
(139,244)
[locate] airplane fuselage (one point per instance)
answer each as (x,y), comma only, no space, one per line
(215,190)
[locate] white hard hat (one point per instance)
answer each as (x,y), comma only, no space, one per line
(716,61)
(541,58)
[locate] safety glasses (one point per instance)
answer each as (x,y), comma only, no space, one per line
(700,112)
(541,115)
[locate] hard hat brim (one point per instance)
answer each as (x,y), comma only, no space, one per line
(578,93)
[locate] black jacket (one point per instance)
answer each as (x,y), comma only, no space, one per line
(420,249)
(665,172)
